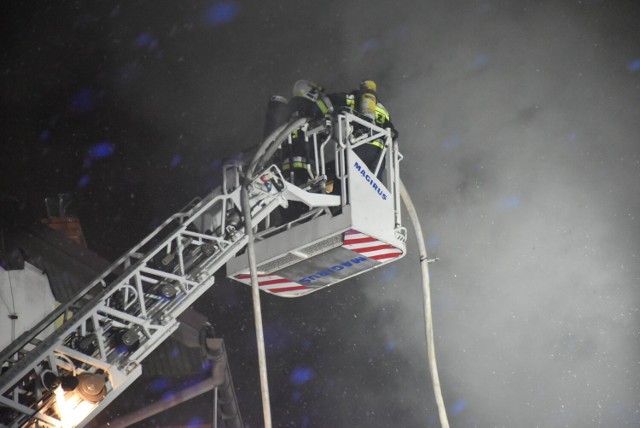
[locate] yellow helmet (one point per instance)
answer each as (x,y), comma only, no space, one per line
(368,86)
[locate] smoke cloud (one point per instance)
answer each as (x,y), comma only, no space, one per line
(519,125)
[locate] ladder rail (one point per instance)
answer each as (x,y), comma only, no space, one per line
(133,301)
(120,264)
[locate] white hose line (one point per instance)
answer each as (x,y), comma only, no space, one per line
(426,290)
(257,309)
(264,152)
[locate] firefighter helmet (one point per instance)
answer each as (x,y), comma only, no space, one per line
(307,89)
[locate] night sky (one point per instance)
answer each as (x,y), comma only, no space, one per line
(520,128)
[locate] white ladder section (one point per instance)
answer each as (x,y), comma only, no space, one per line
(84,354)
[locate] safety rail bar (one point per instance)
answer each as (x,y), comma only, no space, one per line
(341,131)
(115,322)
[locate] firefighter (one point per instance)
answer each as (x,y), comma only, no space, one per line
(364,101)
(308,101)
(295,157)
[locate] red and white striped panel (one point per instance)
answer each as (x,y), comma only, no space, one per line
(370,247)
(274,284)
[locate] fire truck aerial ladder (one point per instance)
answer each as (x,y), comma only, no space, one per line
(78,359)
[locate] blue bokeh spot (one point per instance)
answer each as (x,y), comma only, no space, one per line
(83,181)
(391,345)
(83,101)
(195,422)
(159,384)
(302,375)
(102,150)
(221,13)
(276,336)
(207,365)
(176,160)
(216,164)
(143,40)
(481,60)
(457,408)
(175,352)
(634,65)
(511,202)
(452,142)
(306,422)
(44,135)
(370,45)
(389,273)
(231,301)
